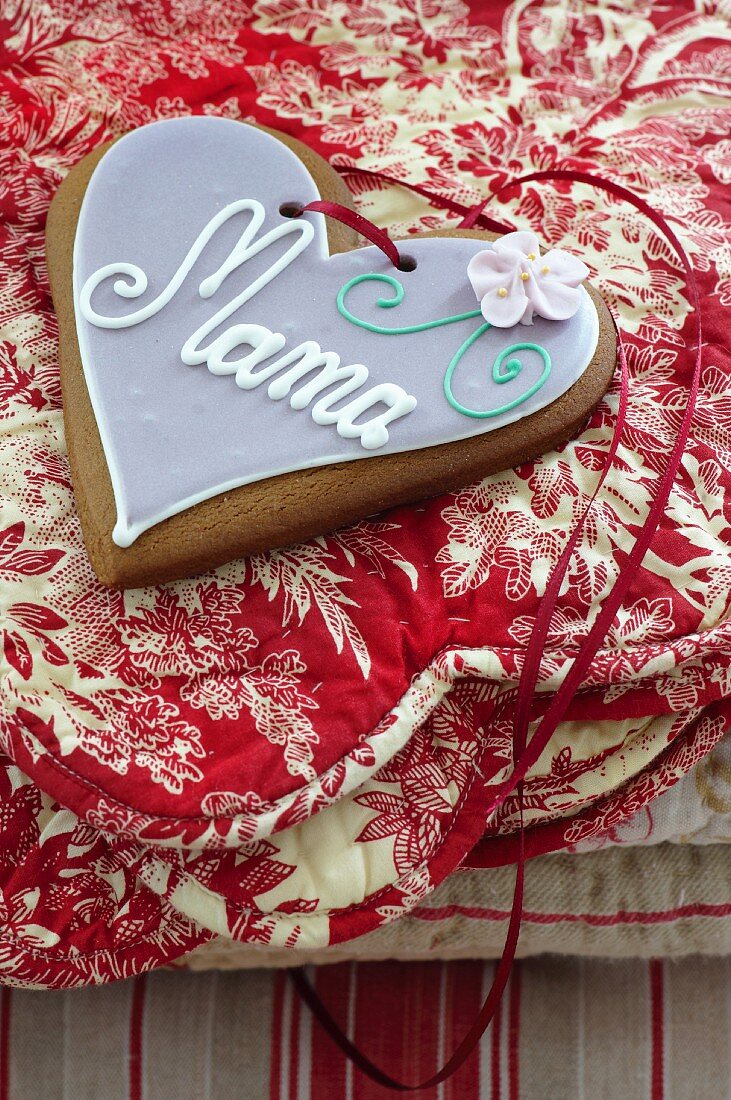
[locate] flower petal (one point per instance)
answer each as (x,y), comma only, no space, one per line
(564,267)
(551,299)
(487,270)
(522,240)
(505,311)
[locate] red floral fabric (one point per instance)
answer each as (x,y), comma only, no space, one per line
(241,733)
(70,912)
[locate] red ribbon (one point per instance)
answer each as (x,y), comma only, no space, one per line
(356,221)
(434,197)
(526,753)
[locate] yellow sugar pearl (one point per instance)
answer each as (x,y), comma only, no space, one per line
(531,255)
(545,269)
(502,292)
(525,276)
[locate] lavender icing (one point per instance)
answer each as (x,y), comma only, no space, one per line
(175,433)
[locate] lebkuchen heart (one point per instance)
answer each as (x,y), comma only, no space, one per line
(236,379)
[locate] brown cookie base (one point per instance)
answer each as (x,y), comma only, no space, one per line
(290,507)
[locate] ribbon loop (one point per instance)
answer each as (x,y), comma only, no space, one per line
(526,753)
(354,220)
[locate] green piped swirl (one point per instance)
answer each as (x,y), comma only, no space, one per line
(502,371)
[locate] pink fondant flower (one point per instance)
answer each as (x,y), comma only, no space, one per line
(513,281)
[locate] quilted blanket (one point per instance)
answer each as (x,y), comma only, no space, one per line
(297,748)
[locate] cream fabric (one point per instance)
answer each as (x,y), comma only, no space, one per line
(667,900)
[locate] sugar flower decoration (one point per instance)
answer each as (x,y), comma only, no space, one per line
(513,281)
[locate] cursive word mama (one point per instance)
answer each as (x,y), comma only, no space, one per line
(331,381)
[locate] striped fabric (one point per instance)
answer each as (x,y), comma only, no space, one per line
(568,1028)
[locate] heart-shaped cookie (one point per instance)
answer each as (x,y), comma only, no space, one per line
(236,379)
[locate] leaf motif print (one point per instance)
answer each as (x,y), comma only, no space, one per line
(18,653)
(415,834)
(170,637)
(485,538)
(301,17)
(25,636)
(305,580)
(149,734)
(16,909)
(20,807)
(271,694)
(365,538)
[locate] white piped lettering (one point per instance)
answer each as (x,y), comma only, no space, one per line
(305,359)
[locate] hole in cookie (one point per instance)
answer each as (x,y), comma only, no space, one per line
(291,209)
(407,263)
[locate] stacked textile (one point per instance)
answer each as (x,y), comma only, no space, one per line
(295,750)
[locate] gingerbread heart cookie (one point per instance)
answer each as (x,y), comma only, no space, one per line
(236,379)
